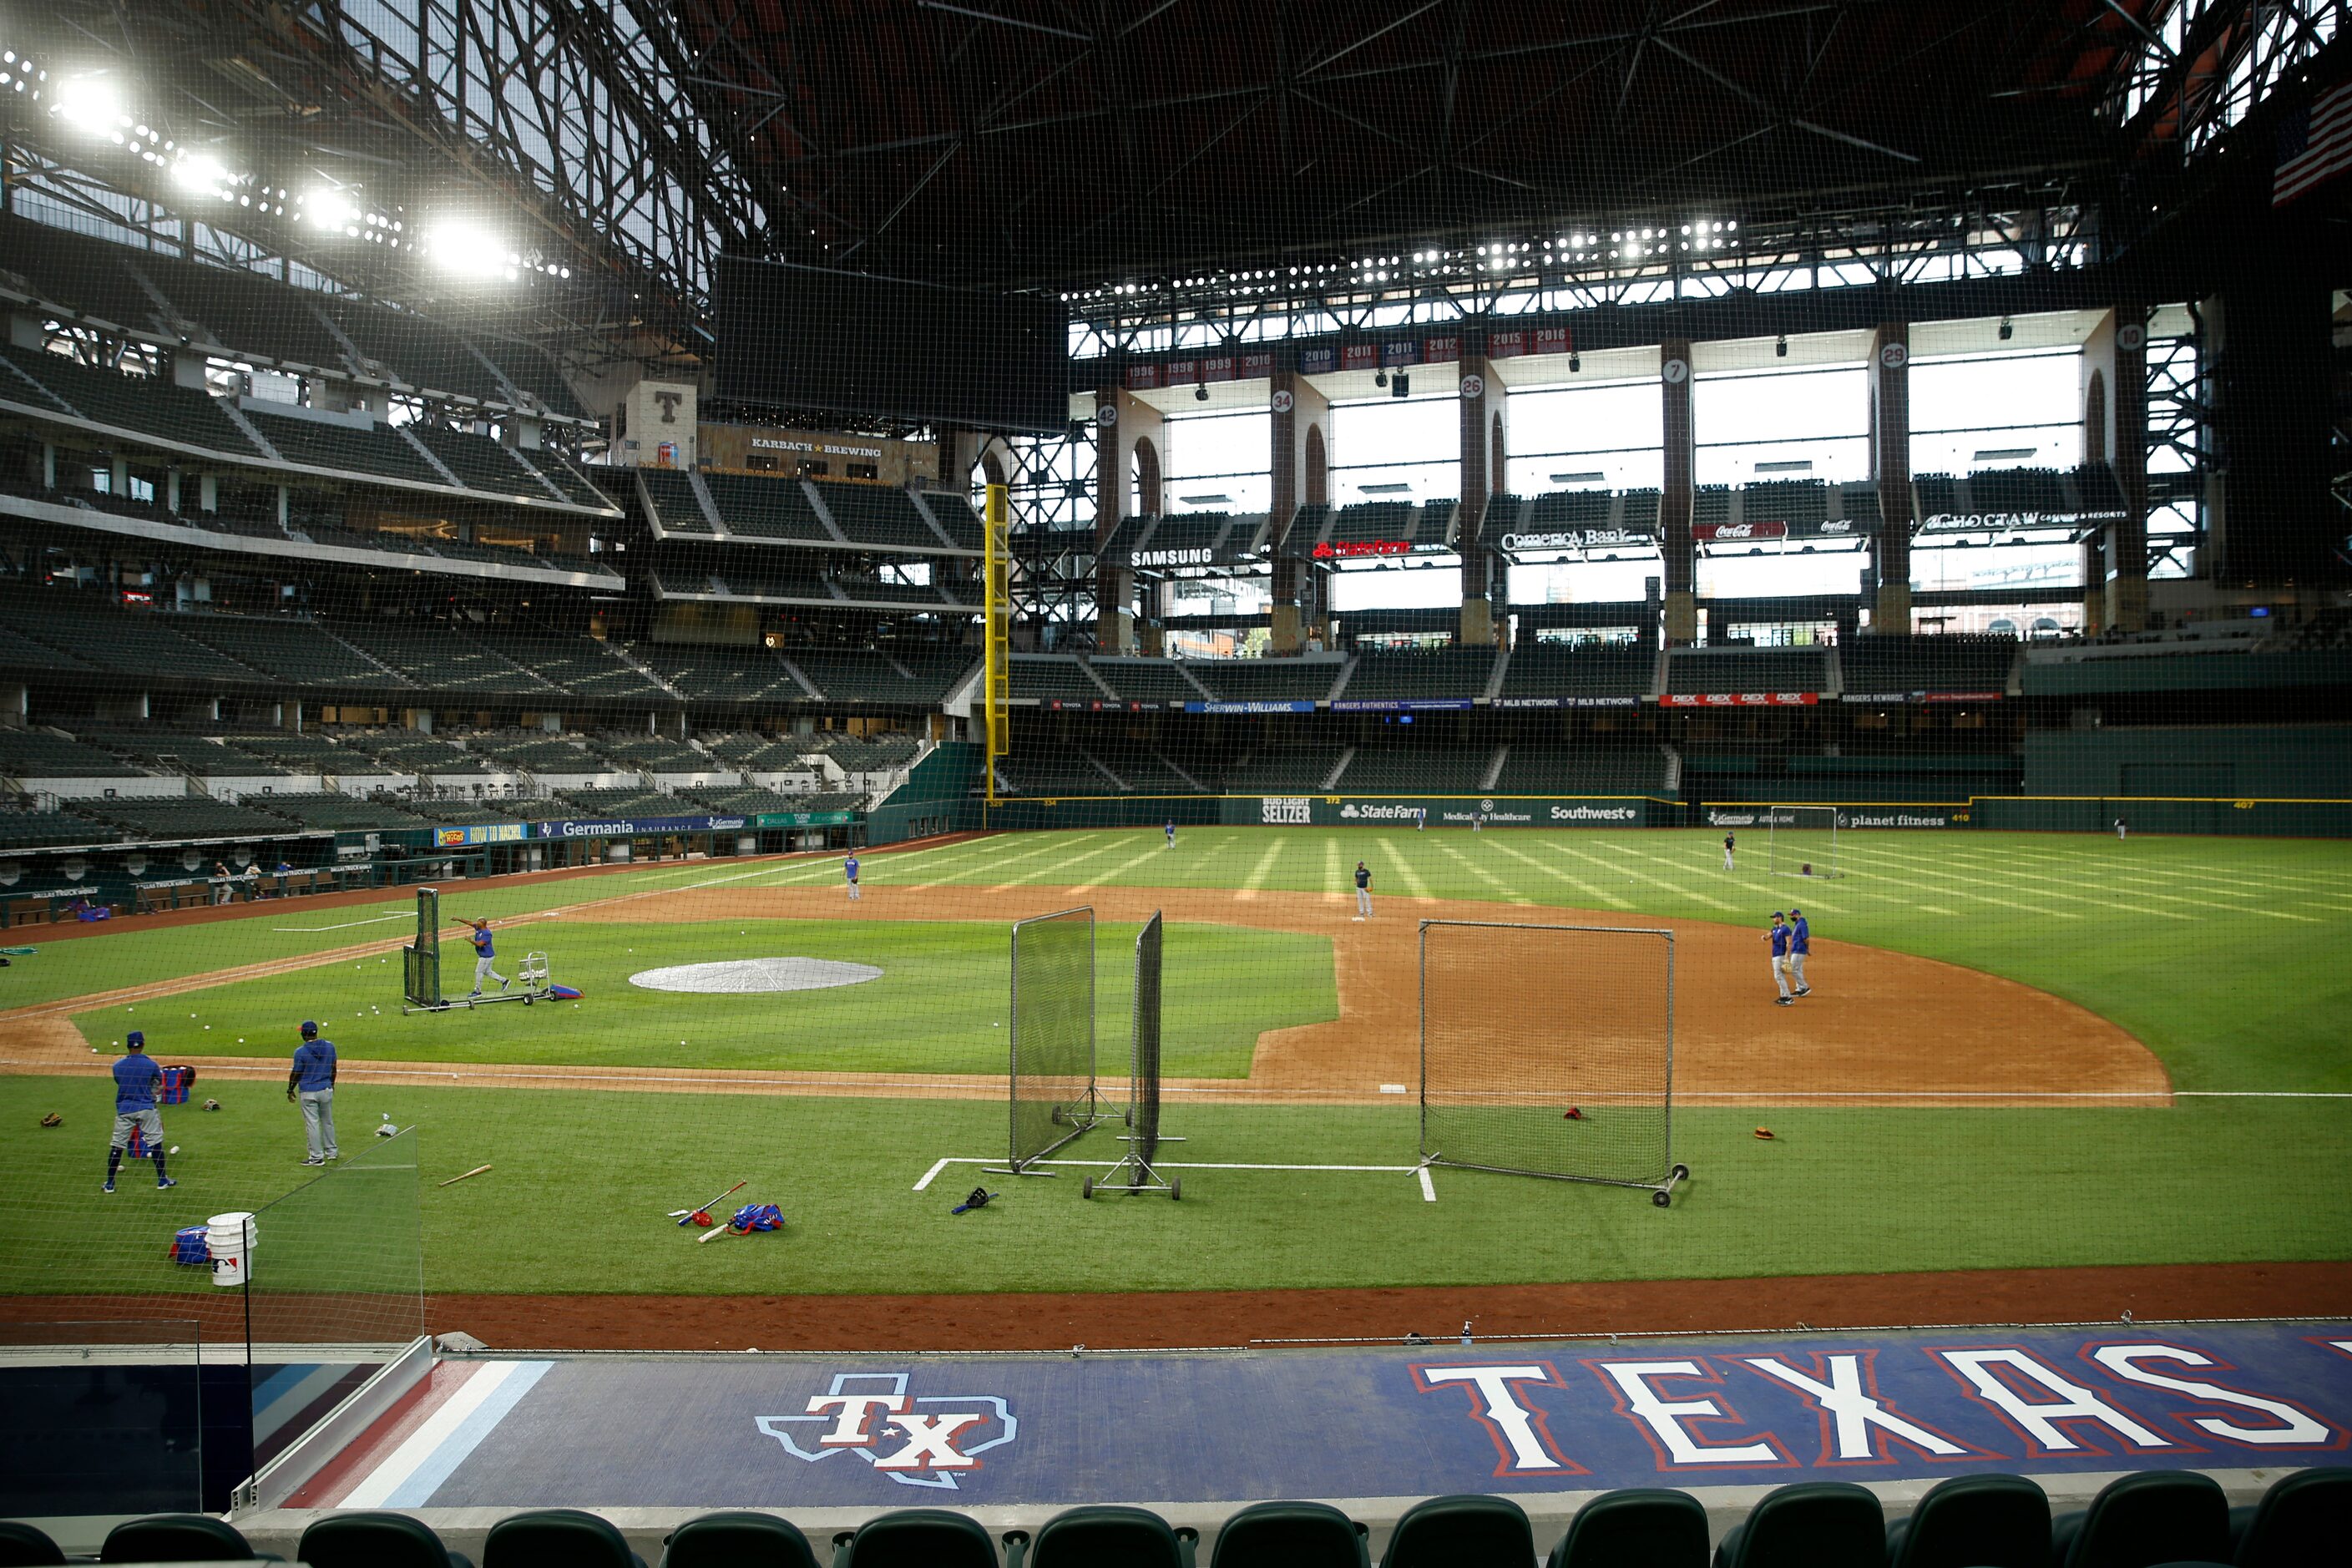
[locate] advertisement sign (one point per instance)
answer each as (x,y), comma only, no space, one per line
(803,818)
(1410,813)
(1092,705)
(1904,814)
(1357,549)
(1285,811)
(1399,704)
(1710,533)
(1740,699)
(480,833)
(639,826)
(1577,539)
(1267,706)
(1568,702)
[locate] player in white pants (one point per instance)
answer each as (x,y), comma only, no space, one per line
(1363,891)
(2122,828)
(1800,946)
(1729,843)
(849,870)
(485,957)
(1778,937)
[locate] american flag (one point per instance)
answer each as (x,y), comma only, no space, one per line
(2315,145)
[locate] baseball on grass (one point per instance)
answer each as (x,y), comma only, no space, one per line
(175,1148)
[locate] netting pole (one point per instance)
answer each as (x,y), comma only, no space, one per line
(1138,1166)
(996,673)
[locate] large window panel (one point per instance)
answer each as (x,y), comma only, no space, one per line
(1209,455)
(1415,442)
(1609,436)
(1760,425)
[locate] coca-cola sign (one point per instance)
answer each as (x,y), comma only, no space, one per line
(1714,533)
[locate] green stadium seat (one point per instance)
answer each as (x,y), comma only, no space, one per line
(756,508)
(877,514)
(1283,768)
(1269,680)
(481,463)
(176,1538)
(1454,1530)
(1811,1524)
(26,1546)
(369,1539)
(1289,1535)
(914,1538)
(737,1541)
(1110,1536)
(1459,672)
(2305,1518)
(1974,1522)
(2143,1518)
(1052,677)
(557,1538)
(1638,1527)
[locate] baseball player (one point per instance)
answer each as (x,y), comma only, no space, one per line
(1801,943)
(313,1082)
(1778,937)
(1730,842)
(1478,822)
(1421,819)
(2122,828)
(484,953)
(1363,891)
(1170,828)
(136,1079)
(850,871)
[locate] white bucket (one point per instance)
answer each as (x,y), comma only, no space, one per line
(231,1237)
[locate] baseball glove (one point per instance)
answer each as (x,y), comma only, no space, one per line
(53,1120)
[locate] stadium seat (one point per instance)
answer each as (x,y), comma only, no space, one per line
(177,1538)
(1974,1522)
(2303,1518)
(917,1538)
(1443,1532)
(1290,1535)
(23,1546)
(1639,1527)
(374,1541)
(1110,1535)
(2143,1518)
(738,1541)
(557,1538)
(1811,1524)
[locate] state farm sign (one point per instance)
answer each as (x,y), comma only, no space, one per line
(1352,549)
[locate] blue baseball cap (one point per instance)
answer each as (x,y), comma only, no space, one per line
(135,1038)
(1779,914)
(310,1030)
(1795,911)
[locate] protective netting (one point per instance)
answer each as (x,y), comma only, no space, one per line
(1053,1066)
(1547,1050)
(1143,1083)
(1801,841)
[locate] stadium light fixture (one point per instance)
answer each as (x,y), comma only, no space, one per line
(330,209)
(88,104)
(2005,328)
(200,172)
(468,250)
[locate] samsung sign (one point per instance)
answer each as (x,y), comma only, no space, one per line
(1170,557)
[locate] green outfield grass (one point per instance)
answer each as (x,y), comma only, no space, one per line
(2225,955)
(580,1183)
(939,1007)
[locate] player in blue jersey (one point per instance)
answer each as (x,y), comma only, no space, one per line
(1170,828)
(849,872)
(312,1082)
(1801,943)
(136,1079)
(1778,937)
(1363,891)
(485,951)
(1730,843)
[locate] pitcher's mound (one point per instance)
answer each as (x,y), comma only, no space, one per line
(739,976)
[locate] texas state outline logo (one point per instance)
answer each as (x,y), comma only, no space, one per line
(872,1415)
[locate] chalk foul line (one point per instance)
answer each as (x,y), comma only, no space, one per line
(1428,1188)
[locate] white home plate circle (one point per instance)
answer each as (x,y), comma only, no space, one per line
(742,976)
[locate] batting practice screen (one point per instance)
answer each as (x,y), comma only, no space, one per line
(420,961)
(1144,1080)
(1802,840)
(1053,1032)
(1547,1050)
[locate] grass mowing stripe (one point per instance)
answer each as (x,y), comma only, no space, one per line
(1595,894)
(1675,888)
(1113,875)
(1510,894)
(1405,873)
(1333,876)
(1256,881)
(1057,872)
(1053,844)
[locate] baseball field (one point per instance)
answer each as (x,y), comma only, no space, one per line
(2039,1076)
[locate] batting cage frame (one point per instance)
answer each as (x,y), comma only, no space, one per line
(1792,837)
(1137,1165)
(1550,1051)
(1053,1096)
(420,961)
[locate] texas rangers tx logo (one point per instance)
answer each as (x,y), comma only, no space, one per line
(871,1415)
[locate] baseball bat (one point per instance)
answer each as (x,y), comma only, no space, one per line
(713,1234)
(685,1216)
(475,1171)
